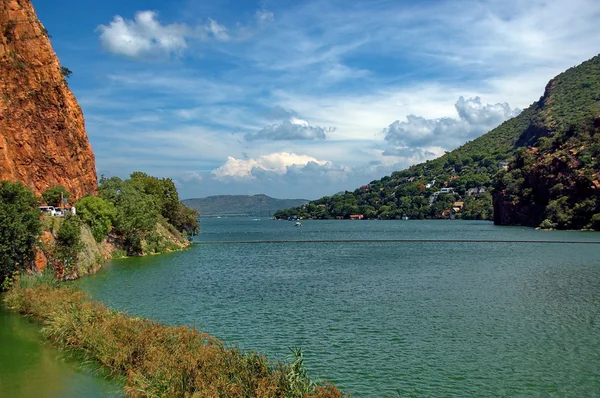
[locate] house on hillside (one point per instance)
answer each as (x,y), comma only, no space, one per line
(503,165)
(356,216)
(475,191)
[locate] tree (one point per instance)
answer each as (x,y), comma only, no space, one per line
(53,195)
(98,213)
(66,72)
(185,219)
(68,242)
(20,227)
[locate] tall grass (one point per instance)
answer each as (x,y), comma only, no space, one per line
(158,360)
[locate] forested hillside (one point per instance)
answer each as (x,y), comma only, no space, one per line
(554,181)
(558,130)
(235,205)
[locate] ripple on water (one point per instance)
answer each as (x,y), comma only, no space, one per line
(430,319)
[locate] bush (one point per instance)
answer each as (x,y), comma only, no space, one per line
(547,224)
(98,213)
(68,243)
(159,360)
(20,228)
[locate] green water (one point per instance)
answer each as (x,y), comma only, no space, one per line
(377,318)
(29,368)
(431,319)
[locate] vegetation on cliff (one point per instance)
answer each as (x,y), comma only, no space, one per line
(554,181)
(142,202)
(551,150)
(158,360)
(140,215)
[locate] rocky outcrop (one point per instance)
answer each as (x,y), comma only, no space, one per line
(43,142)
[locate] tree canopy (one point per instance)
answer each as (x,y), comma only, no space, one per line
(20,227)
(53,195)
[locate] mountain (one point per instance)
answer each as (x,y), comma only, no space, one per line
(234,205)
(551,152)
(554,182)
(43,142)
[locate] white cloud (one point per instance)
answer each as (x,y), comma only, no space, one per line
(143,36)
(292,129)
(278,163)
(218,31)
(264,17)
(474,119)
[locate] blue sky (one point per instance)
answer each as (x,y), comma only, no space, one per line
(304,98)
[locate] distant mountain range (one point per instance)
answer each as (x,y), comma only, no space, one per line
(240,205)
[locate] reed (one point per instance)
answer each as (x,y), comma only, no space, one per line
(158,360)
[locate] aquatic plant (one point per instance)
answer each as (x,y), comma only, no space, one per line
(158,360)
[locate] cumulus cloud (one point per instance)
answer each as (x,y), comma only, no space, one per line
(474,119)
(143,36)
(275,163)
(292,129)
(407,152)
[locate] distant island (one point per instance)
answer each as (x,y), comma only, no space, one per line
(241,205)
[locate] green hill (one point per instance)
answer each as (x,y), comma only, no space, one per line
(561,120)
(554,181)
(237,205)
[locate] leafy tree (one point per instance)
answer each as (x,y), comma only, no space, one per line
(137,212)
(98,213)
(53,195)
(68,240)
(185,219)
(166,197)
(19,227)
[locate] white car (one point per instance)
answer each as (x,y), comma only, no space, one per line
(48,210)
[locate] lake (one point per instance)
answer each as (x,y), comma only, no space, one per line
(472,317)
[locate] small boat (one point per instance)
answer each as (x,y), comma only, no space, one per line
(298,224)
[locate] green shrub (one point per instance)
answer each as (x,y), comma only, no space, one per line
(68,242)
(20,228)
(547,224)
(98,213)
(159,360)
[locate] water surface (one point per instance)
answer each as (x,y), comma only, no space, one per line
(29,368)
(378,318)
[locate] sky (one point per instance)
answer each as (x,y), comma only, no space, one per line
(301,99)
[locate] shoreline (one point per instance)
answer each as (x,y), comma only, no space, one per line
(156,359)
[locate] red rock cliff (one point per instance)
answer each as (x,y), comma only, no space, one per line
(42,133)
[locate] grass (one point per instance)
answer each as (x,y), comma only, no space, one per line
(157,360)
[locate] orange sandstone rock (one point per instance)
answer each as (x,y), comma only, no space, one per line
(42,133)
